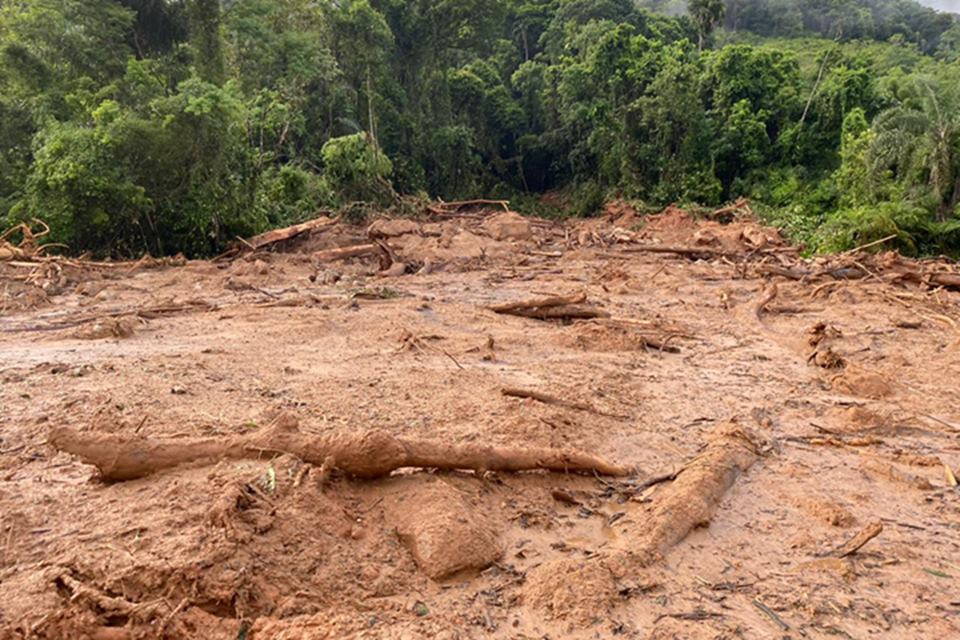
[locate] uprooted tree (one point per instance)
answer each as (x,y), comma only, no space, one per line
(365,454)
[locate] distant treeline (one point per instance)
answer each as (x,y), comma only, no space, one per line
(165,125)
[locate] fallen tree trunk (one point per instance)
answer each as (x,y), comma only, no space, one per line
(947,280)
(446,208)
(368,454)
(689,502)
(342,253)
(552,308)
(783,272)
(693,497)
(288,233)
(562,312)
(689,252)
(539,303)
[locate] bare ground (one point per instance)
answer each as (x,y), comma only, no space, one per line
(775,435)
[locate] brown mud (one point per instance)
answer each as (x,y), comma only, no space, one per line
(791,429)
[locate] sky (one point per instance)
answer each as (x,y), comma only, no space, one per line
(942,5)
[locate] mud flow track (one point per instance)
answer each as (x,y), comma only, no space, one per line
(788,430)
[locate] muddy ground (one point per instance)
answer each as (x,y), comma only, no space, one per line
(777,431)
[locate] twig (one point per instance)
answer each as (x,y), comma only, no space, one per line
(869,245)
(447,353)
(858,541)
(662,346)
(546,398)
(771,614)
(169,617)
(660,479)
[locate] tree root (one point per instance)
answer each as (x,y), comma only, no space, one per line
(369,454)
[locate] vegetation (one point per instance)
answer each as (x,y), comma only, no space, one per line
(176,125)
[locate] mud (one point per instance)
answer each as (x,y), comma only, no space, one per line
(752,463)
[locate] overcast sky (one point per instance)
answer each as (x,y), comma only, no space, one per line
(943,5)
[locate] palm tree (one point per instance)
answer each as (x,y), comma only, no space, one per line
(920,138)
(706,14)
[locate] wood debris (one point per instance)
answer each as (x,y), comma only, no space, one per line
(288,233)
(546,398)
(364,454)
(343,253)
(858,541)
(552,308)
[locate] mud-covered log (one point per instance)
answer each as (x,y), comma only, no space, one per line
(552,308)
(288,233)
(538,303)
(947,280)
(687,252)
(355,251)
(563,312)
(368,454)
(692,499)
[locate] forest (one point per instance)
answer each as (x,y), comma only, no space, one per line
(165,126)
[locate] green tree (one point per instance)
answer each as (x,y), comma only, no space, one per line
(706,14)
(207,37)
(919,139)
(357,169)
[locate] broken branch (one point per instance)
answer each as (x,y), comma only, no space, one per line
(441,208)
(545,398)
(859,540)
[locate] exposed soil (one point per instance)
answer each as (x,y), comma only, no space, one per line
(789,438)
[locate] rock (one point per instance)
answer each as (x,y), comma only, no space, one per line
(508,225)
(122,327)
(444,533)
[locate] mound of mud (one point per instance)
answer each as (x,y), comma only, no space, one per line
(445,534)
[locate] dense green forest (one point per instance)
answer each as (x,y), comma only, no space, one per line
(176,125)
